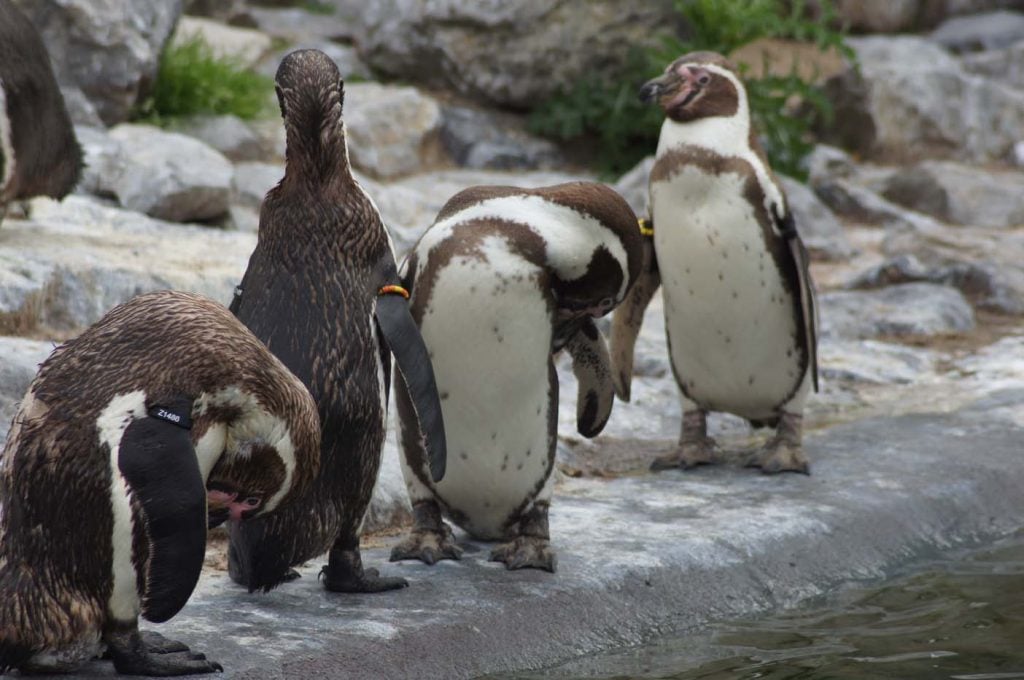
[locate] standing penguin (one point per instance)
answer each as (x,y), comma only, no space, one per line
(739,303)
(503,280)
(39,155)
(321,291)
(165,417)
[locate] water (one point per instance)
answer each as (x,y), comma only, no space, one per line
(958,619)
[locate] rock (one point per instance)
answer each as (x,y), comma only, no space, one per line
(80,109)
(875,362)
(243,218)
(346,57)
(856,202)
(911,309)
(228,11)
(820,230)
(828,162)
(912,99)
(69,264)
(228,134)
(244,46)
(169,175)
(961,194)
(103,158)
(252,181)
(296,25)
(21,359)
(978,32)
(392,131)
(634,186)
(109,49)
(479,139)
(879,16)
(512,53)
(1005,65)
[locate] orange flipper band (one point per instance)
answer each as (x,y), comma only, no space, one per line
(646,226)
(394,290)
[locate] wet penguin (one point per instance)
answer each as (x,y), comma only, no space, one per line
(165,417)
(321,290)
(739,303)
(39,155)
(504,279)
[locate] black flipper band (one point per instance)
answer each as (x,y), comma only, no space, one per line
(159,463)
(413,360)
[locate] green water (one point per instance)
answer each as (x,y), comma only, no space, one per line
(961,618)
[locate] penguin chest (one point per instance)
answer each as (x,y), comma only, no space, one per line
(488,328)
(730,316)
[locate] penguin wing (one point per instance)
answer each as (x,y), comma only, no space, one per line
(802,262)
(591,367)
(628,318)
(159,463)
(406,344)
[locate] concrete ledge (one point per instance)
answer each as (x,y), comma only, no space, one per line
(643,555)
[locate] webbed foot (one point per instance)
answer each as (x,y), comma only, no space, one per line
(131,656)
(344,573)
(688,455)
(156,643)
(428,546)
(526,552)
(783,452)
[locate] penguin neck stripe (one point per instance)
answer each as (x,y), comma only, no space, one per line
(394,290)
(182,420)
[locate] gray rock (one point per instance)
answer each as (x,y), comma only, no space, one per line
(80,109)
(879,16)
(820,230)
(392,130)
(634,186)
(228,134)
(76,259)
(960,194)
(856,202)
(103,159)
(911,309)
(479,139)
(351,67)
(19,361)
(1005,65)
(242,218)
(244,46)
(828,162)
(296,25)
(108,48)
(874,362)
(978,32)
(252,181)
(169,175)
(513,53)
(912,99)
(228,11)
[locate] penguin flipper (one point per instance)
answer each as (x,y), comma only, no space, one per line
(591,366)
(629,317)
(403,337)
(159,463)
(808,308)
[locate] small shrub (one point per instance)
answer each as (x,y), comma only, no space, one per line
(193,80)
(627,130)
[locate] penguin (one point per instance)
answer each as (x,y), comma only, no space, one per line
(164,418)
(503,280)
(39,154)
(322,291)
(739,302)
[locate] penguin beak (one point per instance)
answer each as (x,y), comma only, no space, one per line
(218,507)
(652,89)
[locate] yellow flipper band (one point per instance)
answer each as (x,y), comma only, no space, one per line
(394,290)
(646,226)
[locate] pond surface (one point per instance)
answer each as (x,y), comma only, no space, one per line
(960,619)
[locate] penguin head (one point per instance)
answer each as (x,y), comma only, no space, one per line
(311,94)
(243,483)
(694,86)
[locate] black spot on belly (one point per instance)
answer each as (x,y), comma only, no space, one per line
(721,276)
(463,456)
(443,395)
(528,452)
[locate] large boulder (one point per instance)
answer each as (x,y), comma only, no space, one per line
(508,52)
(392,130)
(979,32)
(910,309)
(913,99)
(108,48)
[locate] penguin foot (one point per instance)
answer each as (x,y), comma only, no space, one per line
(689,455)
(428,546)
(778,457)
(525,552)
(159,644)
(344,573)
(131,656)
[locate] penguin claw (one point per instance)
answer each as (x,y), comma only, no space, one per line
(131,655)
(428,546)
(366,581)
(778,457)
(689,455)
(526,552)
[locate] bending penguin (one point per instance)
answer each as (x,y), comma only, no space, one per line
(503,280)
(39,155)
(321,290)
(739,302)
(165,417)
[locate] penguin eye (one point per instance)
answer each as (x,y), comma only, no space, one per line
(704,79)
(252,501)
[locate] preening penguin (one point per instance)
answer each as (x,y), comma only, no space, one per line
(164,417)
(321,290)
(503,280)
(39,155)
(739,302)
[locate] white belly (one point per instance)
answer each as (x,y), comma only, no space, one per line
(730,321)
(489,333)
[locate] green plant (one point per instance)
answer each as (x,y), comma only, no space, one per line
(626,130)
(193,80)
(318,7)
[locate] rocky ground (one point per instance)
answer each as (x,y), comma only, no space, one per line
(916,229)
